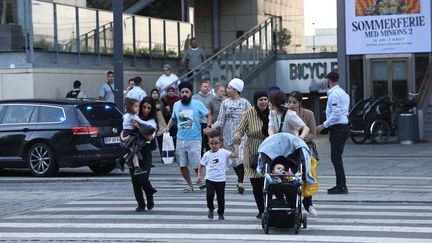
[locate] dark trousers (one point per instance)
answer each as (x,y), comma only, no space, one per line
(257,188)
(159,140)
(204,140)
(219,188)
(141,182)
(239,170)
(338,136)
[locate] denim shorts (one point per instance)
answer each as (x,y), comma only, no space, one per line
(188,153)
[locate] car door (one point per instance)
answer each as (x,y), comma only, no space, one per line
(17,124)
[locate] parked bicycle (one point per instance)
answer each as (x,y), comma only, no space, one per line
(377,119)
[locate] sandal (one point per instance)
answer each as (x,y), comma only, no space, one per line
(188,189)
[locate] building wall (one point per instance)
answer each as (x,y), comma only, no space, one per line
(292,13)
(242,15)
(55,83)
(16,83)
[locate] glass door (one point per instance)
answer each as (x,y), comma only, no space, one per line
(390,77)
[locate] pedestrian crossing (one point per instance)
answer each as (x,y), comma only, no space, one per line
(182,217)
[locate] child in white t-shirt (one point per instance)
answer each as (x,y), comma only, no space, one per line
(215,162)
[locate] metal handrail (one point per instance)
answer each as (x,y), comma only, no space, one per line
(191,74)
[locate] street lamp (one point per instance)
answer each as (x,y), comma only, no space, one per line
(313,39)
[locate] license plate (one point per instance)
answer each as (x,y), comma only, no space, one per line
(111,140)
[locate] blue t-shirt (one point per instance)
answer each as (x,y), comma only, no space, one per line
(188,119)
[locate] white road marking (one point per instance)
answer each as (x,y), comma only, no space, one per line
(201,236)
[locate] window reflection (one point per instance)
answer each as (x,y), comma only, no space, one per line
(43,26)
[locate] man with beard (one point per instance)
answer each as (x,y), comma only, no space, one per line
(187,113)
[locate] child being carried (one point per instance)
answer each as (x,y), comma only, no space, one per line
(135,141)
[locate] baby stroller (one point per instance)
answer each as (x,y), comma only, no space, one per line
(282,205)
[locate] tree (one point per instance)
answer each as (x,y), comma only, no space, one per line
(283,39)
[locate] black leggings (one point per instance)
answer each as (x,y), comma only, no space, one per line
(257,188)
(239,170)
(307,202)
(219,188)
(141,182)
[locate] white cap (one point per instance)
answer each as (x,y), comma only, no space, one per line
(237,84)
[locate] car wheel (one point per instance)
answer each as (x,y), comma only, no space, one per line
(40,160)
(102,168)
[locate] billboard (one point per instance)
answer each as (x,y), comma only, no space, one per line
(387,26)
(304,75)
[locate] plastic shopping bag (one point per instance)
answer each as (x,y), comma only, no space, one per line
(168,151)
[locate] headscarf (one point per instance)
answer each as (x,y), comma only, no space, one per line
(151,92)
(263,115)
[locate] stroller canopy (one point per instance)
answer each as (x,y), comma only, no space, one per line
(284,144)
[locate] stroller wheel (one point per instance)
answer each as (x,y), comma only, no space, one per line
(304,220)
(265,222)
(297,221)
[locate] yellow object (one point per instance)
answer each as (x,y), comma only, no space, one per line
(308,189)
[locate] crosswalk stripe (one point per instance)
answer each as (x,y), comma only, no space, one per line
(250,218)
(214,237)
(179,201)
(401,229)
(203,208)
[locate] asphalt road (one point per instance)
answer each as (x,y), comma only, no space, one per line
(390,200)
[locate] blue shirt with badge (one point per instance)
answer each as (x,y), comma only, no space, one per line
(337,107)
(187,118)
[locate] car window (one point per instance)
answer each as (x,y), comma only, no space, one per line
(103,112)
(18,114)
(51,114)
(1,109)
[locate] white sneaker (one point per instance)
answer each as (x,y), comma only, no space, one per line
(312,212)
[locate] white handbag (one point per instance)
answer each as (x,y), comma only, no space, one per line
(168,151)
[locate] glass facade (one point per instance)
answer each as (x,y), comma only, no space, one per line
(43,26)
(71,29)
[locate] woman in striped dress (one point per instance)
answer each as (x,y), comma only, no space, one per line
(255,124)
(230,115)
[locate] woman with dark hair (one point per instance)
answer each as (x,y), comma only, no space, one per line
(255,124)
(141,182)
(161,124)
(282,119)
(294,101)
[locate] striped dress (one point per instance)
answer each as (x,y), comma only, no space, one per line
(250,124)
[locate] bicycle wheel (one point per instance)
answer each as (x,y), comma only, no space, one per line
(380,132)
(358,138)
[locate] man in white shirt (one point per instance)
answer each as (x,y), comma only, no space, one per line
(337,121)
(136,92)
(166,80)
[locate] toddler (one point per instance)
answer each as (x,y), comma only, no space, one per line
(133,144)
(215,162)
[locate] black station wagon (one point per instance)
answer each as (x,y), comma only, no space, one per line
(45,135)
